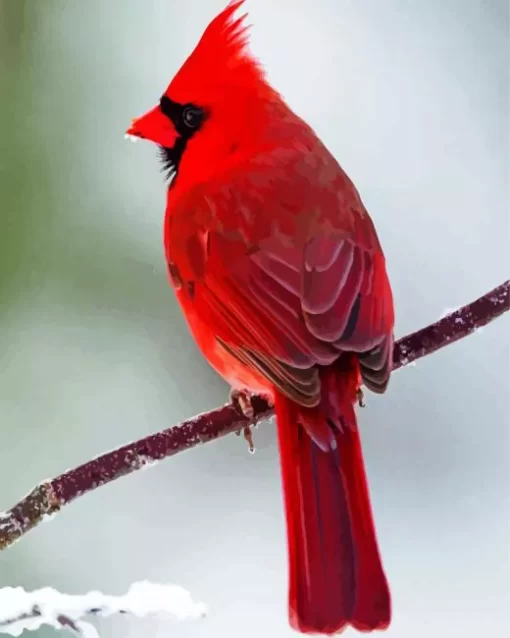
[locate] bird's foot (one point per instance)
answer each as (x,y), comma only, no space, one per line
(248,437)
(244,399)
(360,396)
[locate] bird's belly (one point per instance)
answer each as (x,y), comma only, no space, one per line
(237,374)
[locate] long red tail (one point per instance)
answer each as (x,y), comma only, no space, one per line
(335,571)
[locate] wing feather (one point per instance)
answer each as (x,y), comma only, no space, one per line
(302,283)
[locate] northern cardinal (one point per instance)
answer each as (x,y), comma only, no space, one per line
(282,279)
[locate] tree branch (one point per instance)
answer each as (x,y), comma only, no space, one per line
(49,496)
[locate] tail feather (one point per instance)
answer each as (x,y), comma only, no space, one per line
(372,609)
(335,572)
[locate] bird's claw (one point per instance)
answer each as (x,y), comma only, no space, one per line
(248,437)
(360,398)
(242,398)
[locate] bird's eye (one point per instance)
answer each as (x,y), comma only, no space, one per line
(192,116)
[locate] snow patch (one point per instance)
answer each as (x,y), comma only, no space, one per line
(21,610)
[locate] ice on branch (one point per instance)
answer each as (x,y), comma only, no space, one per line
(21,610)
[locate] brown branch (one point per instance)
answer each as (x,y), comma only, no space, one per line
(48,497)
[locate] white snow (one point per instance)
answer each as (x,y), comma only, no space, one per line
(21,610)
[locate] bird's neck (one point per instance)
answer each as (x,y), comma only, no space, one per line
(225,142)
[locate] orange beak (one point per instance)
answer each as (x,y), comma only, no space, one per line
(154,126)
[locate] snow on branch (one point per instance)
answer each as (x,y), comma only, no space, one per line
(21,610)
(51,495)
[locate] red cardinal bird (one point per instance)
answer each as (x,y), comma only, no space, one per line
(280,274)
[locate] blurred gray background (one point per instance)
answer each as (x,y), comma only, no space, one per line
(413,98)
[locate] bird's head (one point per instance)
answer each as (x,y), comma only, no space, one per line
(217,102)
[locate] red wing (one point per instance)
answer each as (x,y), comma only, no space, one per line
(288,289)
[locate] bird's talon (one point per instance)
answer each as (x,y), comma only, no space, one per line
(248,435)
(242,398)
(360,398)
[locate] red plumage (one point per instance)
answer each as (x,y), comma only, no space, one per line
(336,577)
(279,271)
